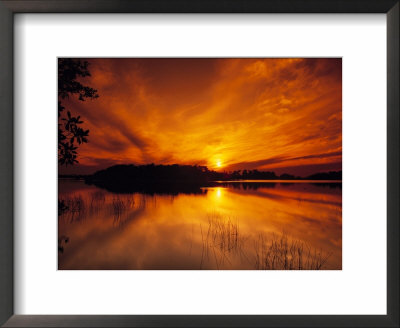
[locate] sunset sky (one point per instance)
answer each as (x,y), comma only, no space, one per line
(282,115)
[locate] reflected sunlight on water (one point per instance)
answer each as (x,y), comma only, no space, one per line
(248,225)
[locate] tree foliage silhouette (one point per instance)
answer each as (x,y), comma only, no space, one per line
(70,132)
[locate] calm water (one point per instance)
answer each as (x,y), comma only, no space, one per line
(252,225)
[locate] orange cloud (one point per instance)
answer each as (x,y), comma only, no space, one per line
(223,113)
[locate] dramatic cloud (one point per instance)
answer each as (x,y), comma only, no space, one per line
(267,114)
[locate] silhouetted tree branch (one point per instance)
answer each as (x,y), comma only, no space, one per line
(70,132)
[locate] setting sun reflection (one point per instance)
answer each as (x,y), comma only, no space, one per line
(218,192)
(139,231)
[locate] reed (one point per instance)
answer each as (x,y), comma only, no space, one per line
(120,204)
(283,253)
(118,207)
(97,198)
(73,207)
(220,239)
(223,232)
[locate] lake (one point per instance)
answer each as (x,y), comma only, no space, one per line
(246,225)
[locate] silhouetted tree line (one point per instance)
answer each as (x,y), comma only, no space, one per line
(333,175)
(264,185)
(170,176)
(151,172)
(152,178)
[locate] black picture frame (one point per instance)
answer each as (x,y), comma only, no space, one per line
(10,7)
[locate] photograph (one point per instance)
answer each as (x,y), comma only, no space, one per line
(199,163)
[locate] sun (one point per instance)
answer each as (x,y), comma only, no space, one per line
(219,164)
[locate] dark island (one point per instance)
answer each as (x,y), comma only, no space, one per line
(160,179)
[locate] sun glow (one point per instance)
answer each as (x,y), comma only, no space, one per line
(218,193)
(236,114)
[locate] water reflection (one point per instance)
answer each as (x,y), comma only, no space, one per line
(238,225)
(152,188)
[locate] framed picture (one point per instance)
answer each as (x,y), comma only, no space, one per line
(218,164)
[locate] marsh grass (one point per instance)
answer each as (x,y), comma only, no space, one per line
(73,207)
(222,241)
(223,232)
(119,207)
(284,253)
(77,207)
(220,238)
(97,201)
